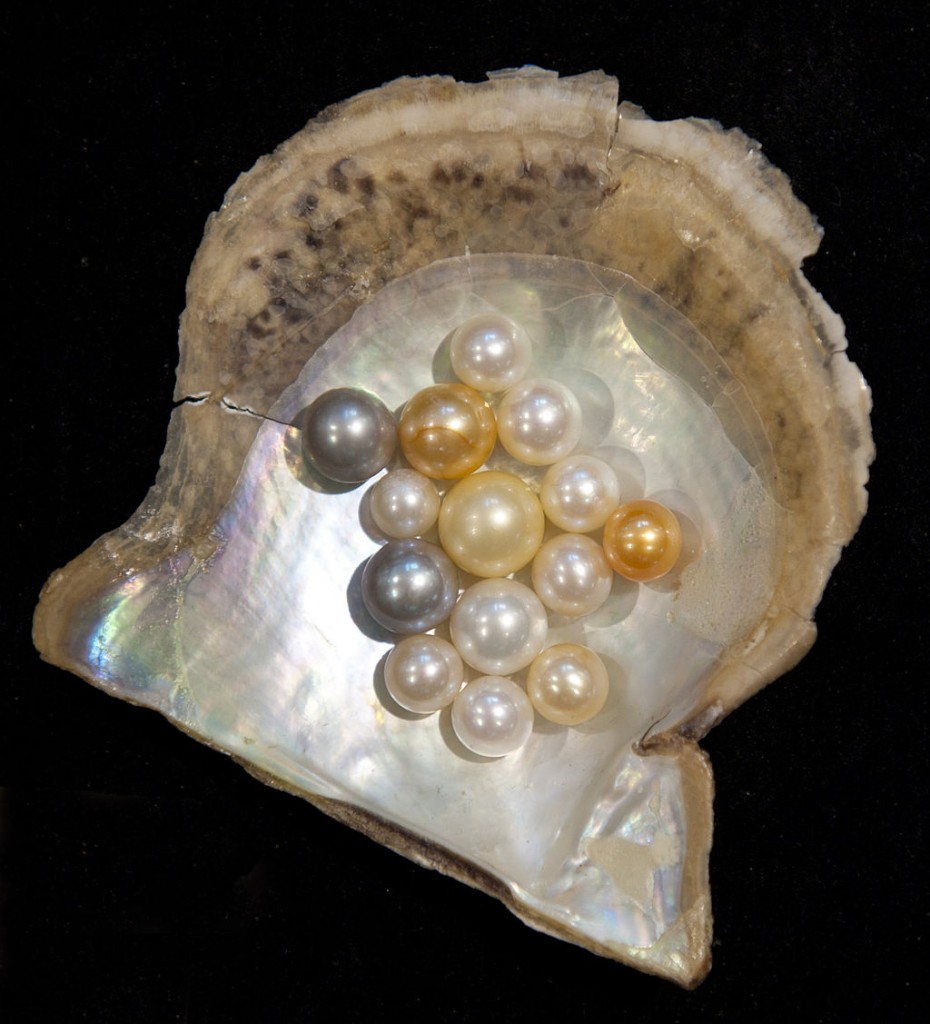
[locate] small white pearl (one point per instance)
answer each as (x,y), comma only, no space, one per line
(571,574)
(499,626)
(579,493)
(539,421)
(489,352)
(423,673)
(404,503)
(568,684)
(492,716)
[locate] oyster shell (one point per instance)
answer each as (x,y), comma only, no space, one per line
(392,199)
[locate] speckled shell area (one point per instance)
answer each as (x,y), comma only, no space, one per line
(408,183)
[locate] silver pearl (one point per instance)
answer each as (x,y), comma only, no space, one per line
(348,435)
(409,586)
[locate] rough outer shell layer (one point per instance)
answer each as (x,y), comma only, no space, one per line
(424,170)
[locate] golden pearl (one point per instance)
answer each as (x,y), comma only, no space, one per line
(447,431)
(567,684)
(642,540)
(491,524)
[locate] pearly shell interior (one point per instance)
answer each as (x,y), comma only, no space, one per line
(228,601)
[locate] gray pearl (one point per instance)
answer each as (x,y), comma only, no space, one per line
(409,586)
(348,435)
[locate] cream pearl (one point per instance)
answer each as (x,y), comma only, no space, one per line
(539,421)
(490,353)
(567,684)
(423,673)
(579,493)
(492,716)
(499,626)
(571,574)
(491,524)
(404,503)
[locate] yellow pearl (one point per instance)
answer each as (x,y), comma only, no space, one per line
(491,524)
(642,540)
(447,431)
(567,684)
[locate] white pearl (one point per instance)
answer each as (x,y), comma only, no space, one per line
(492,716)
(571,574)
(404,503)
(489,352)
(539,421)
(499,626)
(568,684)
(423,673)
(579,493)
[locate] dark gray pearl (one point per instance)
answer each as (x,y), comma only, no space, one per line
(348,435)
(409,586)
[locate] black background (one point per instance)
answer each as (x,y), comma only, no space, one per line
(146,878)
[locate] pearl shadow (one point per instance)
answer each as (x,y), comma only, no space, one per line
(597,405)
(441,367)
(631,475)
(692,543)
(300,468)
(455,745)
(384,696)
(360,614)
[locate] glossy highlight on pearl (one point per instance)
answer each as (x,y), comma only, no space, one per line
(409,586)
(447,431)
(568,684)
(579,493)
(404,503)
(490,353)
(539,421)
(642,540)
(348,435)
(499,626)
(491,524)
(423,673)
(571,574)
(492,716)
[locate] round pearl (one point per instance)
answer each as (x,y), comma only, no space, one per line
(539,421)
(499,626)
(409,586)
(567,684)
(423,673)
(571,575)
(447,431)
(579,493)
(490,352)
(491,524)
(404,504)
(492,716)
(348,435)
(642,540)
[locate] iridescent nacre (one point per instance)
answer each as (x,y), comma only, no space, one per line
(657,268)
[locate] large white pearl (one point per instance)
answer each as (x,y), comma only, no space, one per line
(499,626)
(404,503)
(568,684)
(571,574)
(539,421)
(489,352)
(579,493)
(492,716)
(423,673)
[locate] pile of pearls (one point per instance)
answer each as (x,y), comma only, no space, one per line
(489,524)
